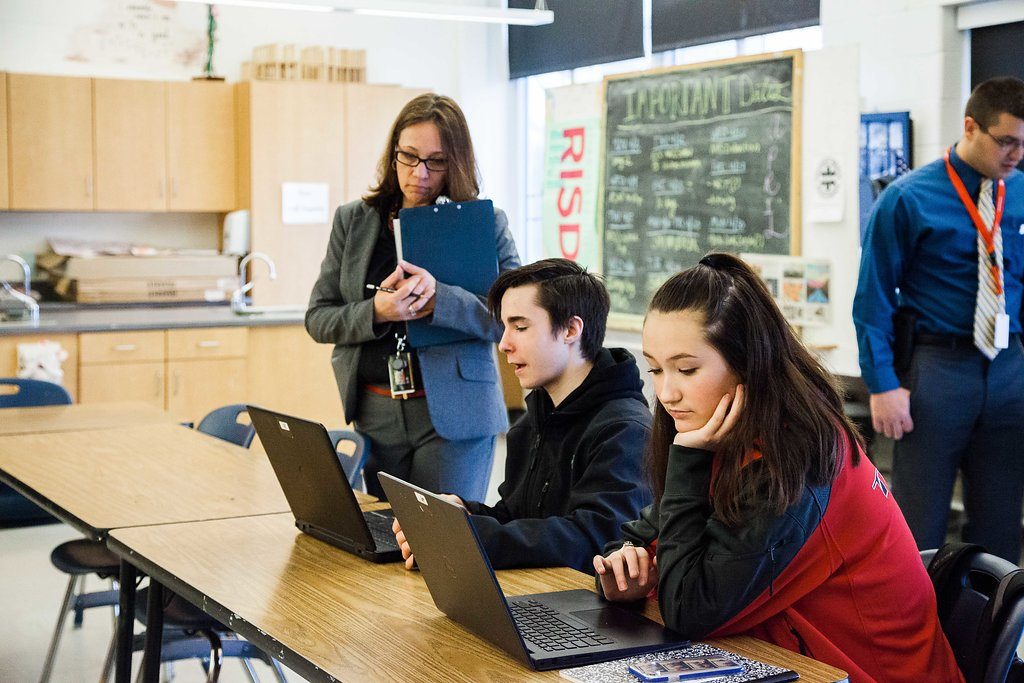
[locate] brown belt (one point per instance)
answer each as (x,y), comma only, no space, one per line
(386,391)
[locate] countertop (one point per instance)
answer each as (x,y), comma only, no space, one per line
(70,319)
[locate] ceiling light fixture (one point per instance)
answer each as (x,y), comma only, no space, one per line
(408,10)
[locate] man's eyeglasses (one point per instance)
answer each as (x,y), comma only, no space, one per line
(408,159)
(1004,142)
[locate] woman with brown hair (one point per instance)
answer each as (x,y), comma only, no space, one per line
(430,436)
(768,518)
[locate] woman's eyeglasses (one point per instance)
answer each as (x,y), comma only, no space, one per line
(411,160)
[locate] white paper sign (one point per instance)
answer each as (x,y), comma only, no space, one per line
(305,203)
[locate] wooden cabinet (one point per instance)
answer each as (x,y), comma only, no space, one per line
(158,146)
(292,131)
(335,134)
(9,356)
(290,373)
(206,369)
(191,371)
(131,145)
(50,142)
(201,161)
(122,366)
(370,110)
(5,201)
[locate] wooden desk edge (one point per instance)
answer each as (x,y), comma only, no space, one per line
(753,648)
(251,632)
(46,504)
(743,645)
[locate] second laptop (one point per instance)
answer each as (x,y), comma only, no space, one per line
(317,488)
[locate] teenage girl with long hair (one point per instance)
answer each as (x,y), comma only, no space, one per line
(768,519)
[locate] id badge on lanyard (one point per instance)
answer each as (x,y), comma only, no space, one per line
(400,370)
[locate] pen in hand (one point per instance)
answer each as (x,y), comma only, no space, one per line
(388,290)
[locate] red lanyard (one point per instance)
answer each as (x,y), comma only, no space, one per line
(987,233)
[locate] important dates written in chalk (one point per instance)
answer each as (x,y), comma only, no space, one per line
(696,159)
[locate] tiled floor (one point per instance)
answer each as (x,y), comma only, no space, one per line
(30,593)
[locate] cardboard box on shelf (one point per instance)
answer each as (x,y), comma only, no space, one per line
(130,290)
(79,268)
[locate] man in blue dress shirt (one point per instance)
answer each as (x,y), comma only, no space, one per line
(932,249)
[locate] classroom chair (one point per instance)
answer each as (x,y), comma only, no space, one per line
(352,462)
(28,393)
(223,423)
(76,558)
(965,603)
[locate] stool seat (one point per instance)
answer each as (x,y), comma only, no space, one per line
(178,613)
(83,556)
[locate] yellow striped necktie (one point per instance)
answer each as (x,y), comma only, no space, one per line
(988,303)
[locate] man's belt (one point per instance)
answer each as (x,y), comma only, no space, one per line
(954,342)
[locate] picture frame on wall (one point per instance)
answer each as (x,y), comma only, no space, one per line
(886,153)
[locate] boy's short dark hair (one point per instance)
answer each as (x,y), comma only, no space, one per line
(994,97)
(564,289)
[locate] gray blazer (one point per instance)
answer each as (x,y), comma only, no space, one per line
(461,380)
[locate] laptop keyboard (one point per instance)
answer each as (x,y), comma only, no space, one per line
(380,529)
(544,628)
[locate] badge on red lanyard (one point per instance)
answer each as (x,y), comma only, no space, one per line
(1002,322)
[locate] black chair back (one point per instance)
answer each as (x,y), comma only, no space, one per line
(968,587)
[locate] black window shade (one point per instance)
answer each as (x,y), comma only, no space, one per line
(682,23)
(584,32)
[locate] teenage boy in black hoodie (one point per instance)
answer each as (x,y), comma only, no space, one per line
(573,464)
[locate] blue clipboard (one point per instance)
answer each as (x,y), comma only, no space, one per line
(455,242)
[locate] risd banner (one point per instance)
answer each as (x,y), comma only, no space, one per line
(571,167)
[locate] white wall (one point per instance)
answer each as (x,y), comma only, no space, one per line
(911,58)
(830,122)
(167,41)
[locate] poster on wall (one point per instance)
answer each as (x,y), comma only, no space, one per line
(572,149)
(800,286)
(157,37)
(885,155)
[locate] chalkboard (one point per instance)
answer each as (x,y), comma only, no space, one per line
(697,159)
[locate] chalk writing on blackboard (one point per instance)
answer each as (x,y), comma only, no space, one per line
(697,159)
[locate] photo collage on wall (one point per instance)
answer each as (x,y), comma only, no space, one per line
(800,286)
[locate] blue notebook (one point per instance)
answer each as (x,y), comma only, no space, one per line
(455,242)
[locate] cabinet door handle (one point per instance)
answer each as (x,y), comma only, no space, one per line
(88,186)
(174,187)
(157,384)
(174,390)
(125,347)
(208,344)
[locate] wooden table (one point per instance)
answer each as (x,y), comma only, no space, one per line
(78,417)
(139,475)
(157,473)
(332,616)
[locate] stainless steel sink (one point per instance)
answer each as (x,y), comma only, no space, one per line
(270,310)
(13,324)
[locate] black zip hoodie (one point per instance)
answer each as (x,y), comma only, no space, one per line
(572,473)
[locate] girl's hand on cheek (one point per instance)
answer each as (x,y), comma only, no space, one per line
(721,421)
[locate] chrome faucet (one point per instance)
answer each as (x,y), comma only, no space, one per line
(238,296)
(26,298)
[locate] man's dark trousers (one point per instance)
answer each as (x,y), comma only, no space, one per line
(968,413)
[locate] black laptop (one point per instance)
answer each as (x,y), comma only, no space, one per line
(544,631)
(318,492)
